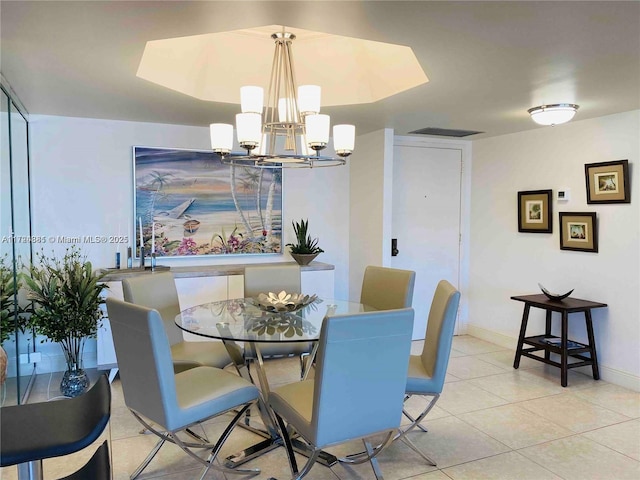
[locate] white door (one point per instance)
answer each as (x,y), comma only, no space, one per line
(426,220)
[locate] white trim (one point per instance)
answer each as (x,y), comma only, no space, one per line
(608,374)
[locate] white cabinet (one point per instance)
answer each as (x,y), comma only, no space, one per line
(198,290)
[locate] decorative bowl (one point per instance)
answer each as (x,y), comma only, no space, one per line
(283,301)
(555,296)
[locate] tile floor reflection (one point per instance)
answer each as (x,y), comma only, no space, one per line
(492,422)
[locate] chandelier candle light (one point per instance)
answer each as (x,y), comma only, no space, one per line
(292,132)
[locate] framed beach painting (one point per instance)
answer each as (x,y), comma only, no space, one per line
(188,203)
(578,231)
(535,211)
(608,182)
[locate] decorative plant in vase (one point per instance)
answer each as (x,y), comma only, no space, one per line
(11,313)
(66,293)
(305,249)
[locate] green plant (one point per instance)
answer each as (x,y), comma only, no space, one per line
(11,313)
(67,300)
(304,243)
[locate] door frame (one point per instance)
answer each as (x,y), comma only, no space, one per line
(465,148)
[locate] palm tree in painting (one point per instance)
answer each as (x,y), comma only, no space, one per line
(234,196)
(159,180)
(268,220)
(255,176)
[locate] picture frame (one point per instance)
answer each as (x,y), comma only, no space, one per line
(535,211)
(187,203)
(579,231)
(608,182)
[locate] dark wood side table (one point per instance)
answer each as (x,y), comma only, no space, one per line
(562,346)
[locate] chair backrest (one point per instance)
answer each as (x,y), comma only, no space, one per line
(157,291)
(361,375)
(34,431)
(144,360)
(386,288)
(439,336)
(271,278)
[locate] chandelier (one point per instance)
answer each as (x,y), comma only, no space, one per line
(286,131)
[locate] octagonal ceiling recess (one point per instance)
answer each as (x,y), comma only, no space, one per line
(214,66)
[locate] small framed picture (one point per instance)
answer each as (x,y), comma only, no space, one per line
(535,211)
(608,182)
(578,231)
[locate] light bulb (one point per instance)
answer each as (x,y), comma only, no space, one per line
(221,137)
(249,126)
(317,130)
(344,138)
(251,99)
(309,99)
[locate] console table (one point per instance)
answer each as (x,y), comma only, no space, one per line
(562,346)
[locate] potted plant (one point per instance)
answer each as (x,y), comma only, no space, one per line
(11,314)
(305,249)
(66,293)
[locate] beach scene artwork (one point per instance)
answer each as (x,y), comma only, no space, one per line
(189,203)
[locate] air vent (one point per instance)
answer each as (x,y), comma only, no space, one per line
(445,132)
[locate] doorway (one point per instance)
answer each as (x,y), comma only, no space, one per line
(426,220)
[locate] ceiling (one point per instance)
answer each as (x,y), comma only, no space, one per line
(487,62)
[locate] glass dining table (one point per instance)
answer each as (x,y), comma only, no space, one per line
(240,320)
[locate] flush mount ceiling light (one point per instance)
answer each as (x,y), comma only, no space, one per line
(554,114)
(286,129)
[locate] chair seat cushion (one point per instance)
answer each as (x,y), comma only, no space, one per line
(418,380)
(203,392)
(294,402)
(209,354)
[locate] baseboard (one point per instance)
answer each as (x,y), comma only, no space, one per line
(493,337)
(608,374)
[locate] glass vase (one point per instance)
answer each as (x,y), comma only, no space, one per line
(74,382)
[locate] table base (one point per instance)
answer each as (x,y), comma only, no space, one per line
(254,451)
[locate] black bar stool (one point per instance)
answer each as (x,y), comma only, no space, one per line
(32,432)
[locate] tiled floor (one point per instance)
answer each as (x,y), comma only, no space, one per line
(492,422)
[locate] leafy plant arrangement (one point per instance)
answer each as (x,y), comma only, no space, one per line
(11,313)
(67,309)
(304,245)
(305,249)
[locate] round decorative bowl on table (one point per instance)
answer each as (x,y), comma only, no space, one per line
(283,302)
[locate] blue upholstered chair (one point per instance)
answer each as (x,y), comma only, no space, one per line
(386,288)
(358,389)
(158,291)
(428,370)
(173,401)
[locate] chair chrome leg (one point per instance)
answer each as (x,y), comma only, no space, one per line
(287,443)
(413,420)
(208,463)
(310,462)
(419,418)
(413,447)
(147,460)
(373,460)
(364,456)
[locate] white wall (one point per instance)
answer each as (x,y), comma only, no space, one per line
(505,262)
(371,185)
(81,174)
